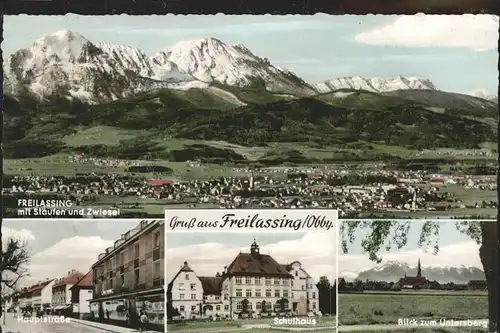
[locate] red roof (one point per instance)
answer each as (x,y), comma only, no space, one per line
(70,279)
(38,287)
(159,182)
(86,280)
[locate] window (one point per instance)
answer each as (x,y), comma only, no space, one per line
(292,283)
(156,270)
(248,293)
(157,239)
(186,276)
(296,273)
(314,305)
(277,293)
(249,305)
(239,306)
(136,250)
(268,281)
(285,293)
(181,296)
(181,308)
(193,307)
(268,306)
(302,287)
(268,292)
(292,295)
(314,295)
(257,280)
(193,296)
(258,293)
(193,286)
(217,298)
(238,280)
(248,280)
(276,281)
(226,307)
(258,306)
(136,273)
(285,282)
(307,294)
(226,297)
(181,286)
(239,292)
(217,307)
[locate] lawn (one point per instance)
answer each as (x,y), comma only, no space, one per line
(380,308)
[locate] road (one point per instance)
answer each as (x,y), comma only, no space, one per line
(14,326)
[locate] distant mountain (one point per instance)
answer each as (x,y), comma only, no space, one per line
(484,94)
(375,84)
(393,271)
(67,64)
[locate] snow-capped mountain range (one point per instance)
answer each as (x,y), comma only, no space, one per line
(65,62)
(484,94)
(68,64)
(375,84)
(392,271)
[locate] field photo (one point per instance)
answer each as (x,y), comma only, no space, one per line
(232,282)
(144,113)
(91,276)
(431,272)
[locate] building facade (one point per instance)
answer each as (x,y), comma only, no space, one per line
(36,297)
(253,285)
(414,282)
(61,291)
(129,276)
(81,294)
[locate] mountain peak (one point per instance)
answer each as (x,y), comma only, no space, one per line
(375,84)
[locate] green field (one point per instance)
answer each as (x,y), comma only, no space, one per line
(227,127)
(387,308)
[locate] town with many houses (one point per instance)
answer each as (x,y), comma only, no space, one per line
(126,279)
(253,285)
(352,189)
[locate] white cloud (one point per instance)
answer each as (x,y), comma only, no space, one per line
(477,32)
(20,234)
(77,253)
(468,252)
(316,251)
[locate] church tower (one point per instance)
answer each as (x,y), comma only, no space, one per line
(419,269)
(254,249)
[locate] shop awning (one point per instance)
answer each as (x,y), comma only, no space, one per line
(60,307)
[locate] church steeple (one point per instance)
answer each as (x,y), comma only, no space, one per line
(419,269)
(254,248)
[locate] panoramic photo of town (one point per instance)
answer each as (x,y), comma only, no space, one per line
(236,283)
(429,276)
(143,113)
(88,277)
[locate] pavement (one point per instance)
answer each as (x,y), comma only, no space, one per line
(12,325)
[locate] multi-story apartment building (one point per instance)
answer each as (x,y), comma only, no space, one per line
(129,276)
(253,284)
(61,291)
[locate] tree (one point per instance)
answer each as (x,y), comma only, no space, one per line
(244,306)
(283,304)
(14,256)
(324,286)
(388,234)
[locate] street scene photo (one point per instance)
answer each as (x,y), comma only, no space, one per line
(240,282)
(418,276)
(364,114)
(82,276)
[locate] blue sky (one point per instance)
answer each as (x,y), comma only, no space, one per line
(455,249)
(457,53)
(58,246)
